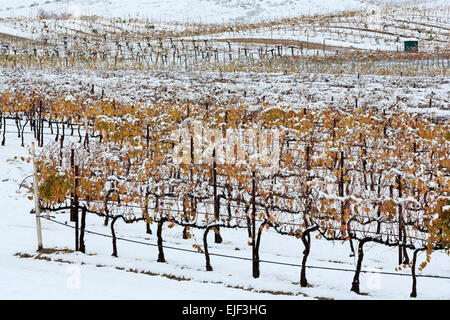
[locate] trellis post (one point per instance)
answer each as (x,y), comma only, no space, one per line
(37,209)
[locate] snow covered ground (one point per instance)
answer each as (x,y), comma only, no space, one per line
(100,276)
(377,25)
(198,11)
(135,274)
(206,11)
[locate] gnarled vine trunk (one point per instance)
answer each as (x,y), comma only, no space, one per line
(355,283)
(306,239)
(413,273)
(205,247)
(160,241)
(114,239)
(82,229)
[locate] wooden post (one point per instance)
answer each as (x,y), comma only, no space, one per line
(72,196)
(255,256)
(400,220)
(74,204)
(86,132)
(217,237)
(77,227)
(37,209)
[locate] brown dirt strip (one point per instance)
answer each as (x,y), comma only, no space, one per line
(9,37)
(424,24)
(286,42)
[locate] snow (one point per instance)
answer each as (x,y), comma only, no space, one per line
(390,93)
(15,32)
(204,11)
(377,25)
(135,274)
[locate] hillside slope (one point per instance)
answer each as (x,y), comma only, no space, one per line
(200,11)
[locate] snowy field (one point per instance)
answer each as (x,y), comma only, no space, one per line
(135,274)
(198,11)
(61,273)
(363,25)
(389,93)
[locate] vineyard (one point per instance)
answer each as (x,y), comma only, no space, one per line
(302,156)
(365,42)
(358,177)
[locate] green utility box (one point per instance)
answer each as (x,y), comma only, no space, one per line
(411,46)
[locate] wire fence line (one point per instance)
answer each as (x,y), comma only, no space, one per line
(247,259)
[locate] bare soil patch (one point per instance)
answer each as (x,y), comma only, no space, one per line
(287,42)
